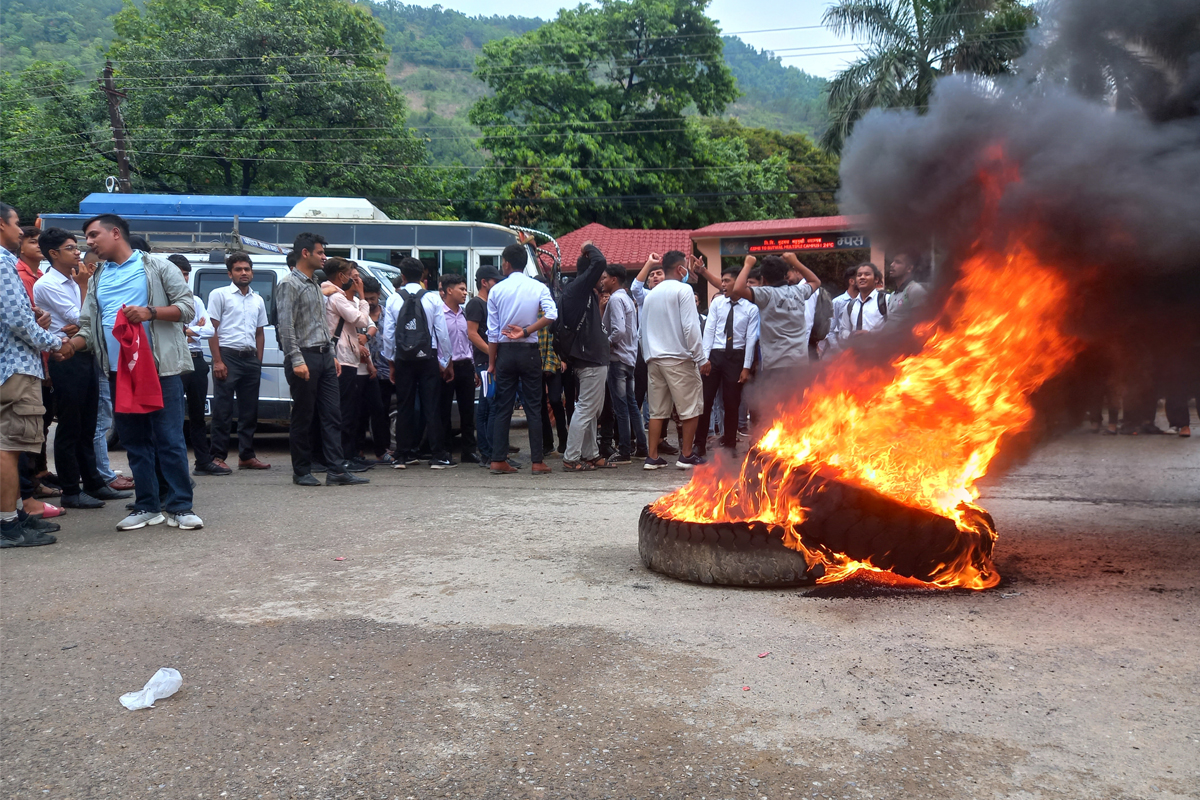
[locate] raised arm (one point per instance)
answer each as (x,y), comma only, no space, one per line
(740,290)
(698,266)
(809,277)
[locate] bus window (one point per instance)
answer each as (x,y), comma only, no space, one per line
(385,256)
(454,262)
(432,261)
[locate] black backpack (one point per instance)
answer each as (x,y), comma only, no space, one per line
(565,335)
(822,316)
(412,329)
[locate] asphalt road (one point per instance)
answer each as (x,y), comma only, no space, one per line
(496,636)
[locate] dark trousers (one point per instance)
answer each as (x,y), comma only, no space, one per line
(483,421)
(723,378)
(352,387)
(641,382)
(420,377)
(606,426)
(622,394)
(245,373)
(195,387)
(552,405)
(462,388)
(77,397)
(158,457)
(1180,379)
(517,363)
(313,399)
(373,411)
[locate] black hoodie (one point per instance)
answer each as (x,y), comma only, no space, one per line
(590,348)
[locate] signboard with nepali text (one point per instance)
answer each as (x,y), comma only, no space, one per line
(838,240)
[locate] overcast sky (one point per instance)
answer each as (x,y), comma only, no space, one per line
(825,56)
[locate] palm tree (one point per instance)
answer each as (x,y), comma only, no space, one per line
(910,44)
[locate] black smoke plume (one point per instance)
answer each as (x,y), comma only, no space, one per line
(1102,122)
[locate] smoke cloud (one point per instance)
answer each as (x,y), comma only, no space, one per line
(1102,124)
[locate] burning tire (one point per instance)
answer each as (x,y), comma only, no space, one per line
(842,523)
(729,554)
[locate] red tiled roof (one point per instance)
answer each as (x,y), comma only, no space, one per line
(622,246)
(773,227)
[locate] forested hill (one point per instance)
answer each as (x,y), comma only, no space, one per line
(434,52)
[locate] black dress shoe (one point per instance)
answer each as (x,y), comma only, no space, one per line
(318,467)
(666,447)
(109,493)
(211,469)
(356,465)
(81,500)
(469,458)
(305,480)
(344,479)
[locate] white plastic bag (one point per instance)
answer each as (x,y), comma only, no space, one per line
(165,683)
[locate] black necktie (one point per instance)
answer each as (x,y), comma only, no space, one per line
(729,329)
(861,303)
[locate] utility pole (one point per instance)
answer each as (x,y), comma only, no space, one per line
(118,126)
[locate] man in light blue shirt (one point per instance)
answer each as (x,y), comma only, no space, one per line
(514,357)
(150,291)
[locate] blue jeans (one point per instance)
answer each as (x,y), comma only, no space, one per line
(158,436)
(624,408)
(104,421)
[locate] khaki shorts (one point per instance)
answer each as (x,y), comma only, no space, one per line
(21,413)
(674,381)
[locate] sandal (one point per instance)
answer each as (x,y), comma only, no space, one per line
(601,463)
(577,466)
(43,491)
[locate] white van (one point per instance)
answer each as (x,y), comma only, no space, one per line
(274,398)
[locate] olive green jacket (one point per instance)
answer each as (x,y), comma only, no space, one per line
(165,287)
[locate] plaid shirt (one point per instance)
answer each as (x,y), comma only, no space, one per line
(550,360)
(301,310)
(22,340)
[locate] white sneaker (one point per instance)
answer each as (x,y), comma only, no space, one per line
(186,521)
(140,519)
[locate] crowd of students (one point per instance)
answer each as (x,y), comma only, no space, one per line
(610,365)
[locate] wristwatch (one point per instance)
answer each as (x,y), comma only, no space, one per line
(153,312)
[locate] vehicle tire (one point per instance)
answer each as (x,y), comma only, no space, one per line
(728,554)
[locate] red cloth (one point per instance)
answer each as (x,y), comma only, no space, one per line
(138,389)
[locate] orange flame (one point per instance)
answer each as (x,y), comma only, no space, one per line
(921,431)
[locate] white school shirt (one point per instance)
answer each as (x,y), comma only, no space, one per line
(745,327)
(834,339)
(60,296)
(871,318)
(434,317)
(201,324)
(239,316)
(516,301)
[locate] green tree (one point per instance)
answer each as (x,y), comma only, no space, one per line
(55,141)
(251,96)
(592,105)
(812,173)
(910,44)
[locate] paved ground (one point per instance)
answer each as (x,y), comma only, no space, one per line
(497,637)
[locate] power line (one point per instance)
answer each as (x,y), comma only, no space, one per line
(847,48)
(452,167)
